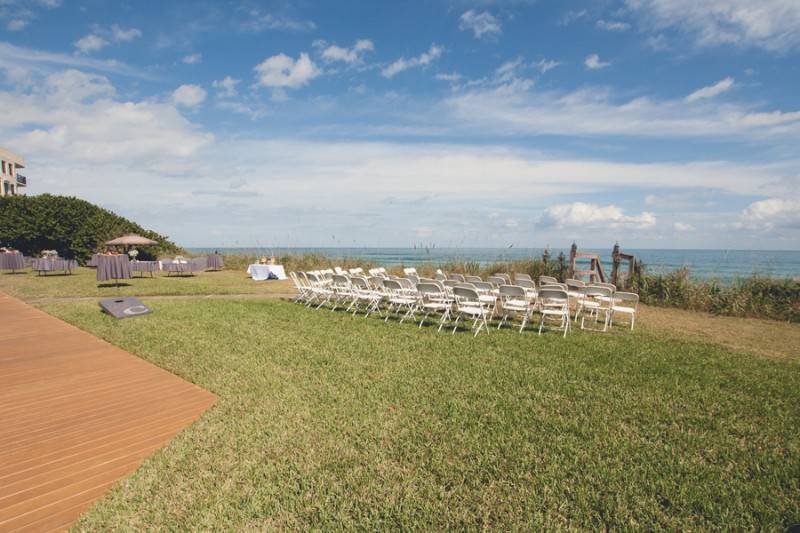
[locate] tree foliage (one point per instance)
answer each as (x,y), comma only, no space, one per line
(73,227)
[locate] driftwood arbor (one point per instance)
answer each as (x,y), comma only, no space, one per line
(595,271)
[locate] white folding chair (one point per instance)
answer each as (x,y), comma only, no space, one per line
(596,301)
(399,299)
(432,300)
(514,301)
(626,304)
(468,304)
(554,305)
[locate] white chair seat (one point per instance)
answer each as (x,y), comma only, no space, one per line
(547,311)
(474,311)
(623,309)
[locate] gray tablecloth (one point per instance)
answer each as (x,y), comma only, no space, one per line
(11,261)
(214,262)
(113,267)
(184,266)
(145,266)
(93,261)
(56,264)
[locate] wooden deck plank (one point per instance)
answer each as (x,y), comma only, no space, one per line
(76,415)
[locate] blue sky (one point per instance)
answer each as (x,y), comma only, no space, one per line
(656,123)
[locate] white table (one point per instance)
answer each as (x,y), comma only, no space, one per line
(262,272)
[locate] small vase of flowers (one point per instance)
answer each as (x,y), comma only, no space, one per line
(133,254)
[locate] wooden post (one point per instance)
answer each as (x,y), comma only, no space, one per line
(573,252)
(615,261)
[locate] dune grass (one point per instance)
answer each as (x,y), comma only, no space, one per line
(329,422)
(83,283)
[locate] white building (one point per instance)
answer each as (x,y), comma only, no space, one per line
(10,180)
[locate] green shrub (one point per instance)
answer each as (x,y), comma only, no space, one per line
(74,228)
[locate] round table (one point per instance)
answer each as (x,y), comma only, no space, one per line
(11,261)
(113,267)
(214,262)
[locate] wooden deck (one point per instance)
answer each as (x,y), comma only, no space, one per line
(76,415)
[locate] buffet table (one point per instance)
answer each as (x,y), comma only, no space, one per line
(145,266)
(263,272)
(114,267)
(214,262)
(45,265)
(12,261)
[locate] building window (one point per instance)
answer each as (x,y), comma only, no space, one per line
(4,167)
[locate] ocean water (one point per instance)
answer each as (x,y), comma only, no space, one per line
(724,265)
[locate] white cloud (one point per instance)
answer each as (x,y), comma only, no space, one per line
(711,91)
(90,43)
(544,65)
(352,56)
(593,216)
(16,24)
(122,35)
(259,22)
(73,116)
(17,57)
(593,62)
(433,53)
(482,24)
(189,95)
(193,59)
(452,77)
(612,25)
(283,71)
(683,227)
(571,16)
(770,214)
(516,107)
(769,24)
(226,87)
(100,38)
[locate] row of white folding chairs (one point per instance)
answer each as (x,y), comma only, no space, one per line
(452,301)
(593,300)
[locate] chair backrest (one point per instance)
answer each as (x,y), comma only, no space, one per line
(593,291)
(406,283)
(465,295)
(544,280)
(376,281)
(410,270)
(629,298)
(355,271)
(429,288)
(440,276)
(392,285)
(413,277)
(574,284)
(456,277)
(311,277)
(359,282)
(497,281)
(552,295)
(526,283)
(504,276)
(511,291)
(519,275)
(484,286)
(451,283)
(339,270)
(472,279)
(340,280)
(610,286)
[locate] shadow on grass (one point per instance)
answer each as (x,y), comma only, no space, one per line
(112,285)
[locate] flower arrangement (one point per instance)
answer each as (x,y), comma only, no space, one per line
(47,254)
(133,254)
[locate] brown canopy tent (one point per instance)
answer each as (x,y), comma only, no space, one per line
(131,239)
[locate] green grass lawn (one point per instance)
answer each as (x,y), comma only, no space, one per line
(83,283)
(330,422)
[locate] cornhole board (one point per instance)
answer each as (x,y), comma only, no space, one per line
(124,307)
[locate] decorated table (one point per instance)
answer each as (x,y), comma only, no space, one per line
(145,266)
(113,267)
(50,264)
(261,272)
(11,261)
(214,262)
